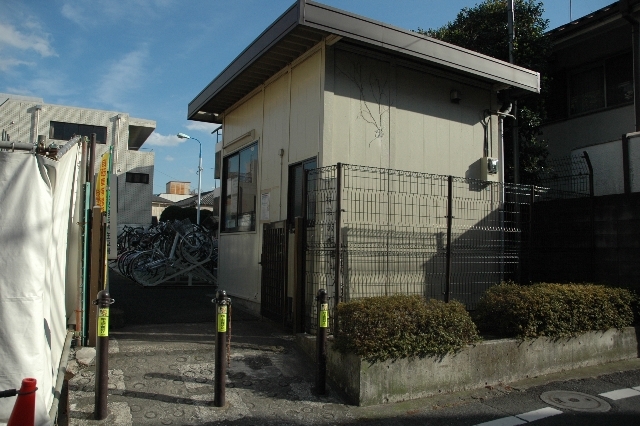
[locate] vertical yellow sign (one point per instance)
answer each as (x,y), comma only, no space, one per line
(103,322)
(324,315)
(102,182)
(222,319)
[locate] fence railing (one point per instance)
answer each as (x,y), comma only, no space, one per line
(401,232)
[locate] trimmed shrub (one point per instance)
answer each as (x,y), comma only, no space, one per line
(383,328)
(553,310)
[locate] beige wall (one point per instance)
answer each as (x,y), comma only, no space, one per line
(382,113)
(284,115)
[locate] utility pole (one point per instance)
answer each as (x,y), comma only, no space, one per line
(516,142)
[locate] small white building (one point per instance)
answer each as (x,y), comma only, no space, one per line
(322,86)
(23,119)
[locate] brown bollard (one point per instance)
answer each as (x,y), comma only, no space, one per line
(321,341)
(223,306)
(102,354)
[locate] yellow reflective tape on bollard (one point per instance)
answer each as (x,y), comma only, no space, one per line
(222,319)
(103,322)
(324,315)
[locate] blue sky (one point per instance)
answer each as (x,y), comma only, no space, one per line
(150,58)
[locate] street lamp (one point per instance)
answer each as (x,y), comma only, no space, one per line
(183,136)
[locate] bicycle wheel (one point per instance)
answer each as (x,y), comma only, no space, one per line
(148,268)
(196,247)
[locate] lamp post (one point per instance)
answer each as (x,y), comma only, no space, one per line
(183,136)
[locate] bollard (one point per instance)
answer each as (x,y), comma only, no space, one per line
(321,341)
(102,354)
(223,311)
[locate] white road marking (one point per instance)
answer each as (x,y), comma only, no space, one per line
(621,394)
(505,421)
(542,413)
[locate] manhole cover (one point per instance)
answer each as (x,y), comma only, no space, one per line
(576,401)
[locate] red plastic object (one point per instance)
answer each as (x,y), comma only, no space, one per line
(24,410)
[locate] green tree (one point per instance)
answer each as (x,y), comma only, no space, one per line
(483,28)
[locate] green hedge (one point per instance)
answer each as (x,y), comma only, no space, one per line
(553,310)
(382,328)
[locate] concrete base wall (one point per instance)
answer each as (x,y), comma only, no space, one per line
(483,364)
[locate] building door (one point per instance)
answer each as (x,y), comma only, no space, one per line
(274,272)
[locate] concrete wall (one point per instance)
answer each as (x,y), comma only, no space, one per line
(564,236)
(487,363)
(600,127)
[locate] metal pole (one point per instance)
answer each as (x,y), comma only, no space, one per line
(338,242)
(447,290)
(321,341)
(102,354)
(199,180)
(92,167)
(223,304)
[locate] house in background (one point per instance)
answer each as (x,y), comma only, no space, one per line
(594,85)
(322,86)
(23,119)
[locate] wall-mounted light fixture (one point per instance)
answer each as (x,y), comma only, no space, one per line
(455,96)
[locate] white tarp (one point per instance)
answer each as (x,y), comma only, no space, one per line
(36,207)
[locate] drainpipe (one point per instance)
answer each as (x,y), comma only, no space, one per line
(37,124)
(502,113)
(625,8)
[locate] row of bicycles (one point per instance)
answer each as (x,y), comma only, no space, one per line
(166,251)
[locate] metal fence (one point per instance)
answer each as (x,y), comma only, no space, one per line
(401,232)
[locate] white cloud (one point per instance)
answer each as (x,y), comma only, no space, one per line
(73,13)
(122,76)
(202,126)
(169,158)
(89,13)
(7,63)
(157,139)
(10,36)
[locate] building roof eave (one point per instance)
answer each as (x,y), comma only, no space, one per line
(307,23)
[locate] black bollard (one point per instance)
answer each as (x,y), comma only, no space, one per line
(102,354)
(223,305)
(321,341)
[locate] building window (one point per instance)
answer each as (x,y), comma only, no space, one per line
(296,177)
(137,178)
(65,131)
(604,84)
(239,190)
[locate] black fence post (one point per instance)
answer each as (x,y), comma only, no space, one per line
(592,219)
(338,242)
(531,201)
(321,341)
(447,291)
(102,355)
(223,306)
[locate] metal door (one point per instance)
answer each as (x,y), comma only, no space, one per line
(274,271)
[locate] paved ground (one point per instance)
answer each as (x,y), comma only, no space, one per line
(162,374)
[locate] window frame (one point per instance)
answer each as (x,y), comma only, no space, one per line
(68,127)
(133,177)
(239,198)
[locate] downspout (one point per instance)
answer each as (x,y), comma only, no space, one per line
(38,108)
(625,9)
(502,113)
